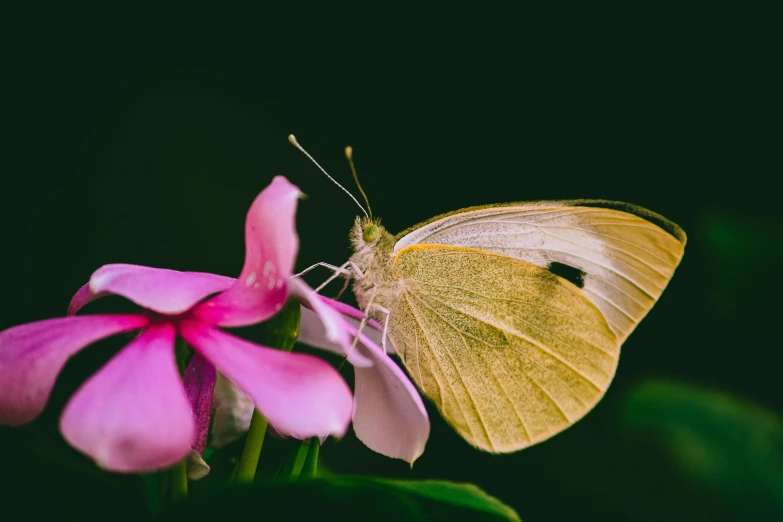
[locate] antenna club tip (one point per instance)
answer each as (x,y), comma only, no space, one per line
(349,152)
(292,139)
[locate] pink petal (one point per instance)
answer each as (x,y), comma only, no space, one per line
(389,416)
(133,415)
(312,330)
(199,380)
(32,355)
(158,289)
(322,326)
(350,311)
(271,244)
(373,329)
(81,298)
(301,396)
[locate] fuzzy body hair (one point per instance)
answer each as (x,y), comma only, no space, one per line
(375,259)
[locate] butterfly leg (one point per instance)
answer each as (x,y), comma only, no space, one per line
(365,316)
(385,325)
(342,271)
(343,289)
(356,270)
(335,269)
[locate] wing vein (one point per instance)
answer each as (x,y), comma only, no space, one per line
(613,304)
(511,300)
(534,342)
(418,359)
(435,356)
(537,385)
(604,266)
(621,240)
(521,335)
(487,387)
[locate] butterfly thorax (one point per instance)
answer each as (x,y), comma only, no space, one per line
(373,250)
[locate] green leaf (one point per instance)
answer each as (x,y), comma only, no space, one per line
(726,445)
(346,498)
(464,496)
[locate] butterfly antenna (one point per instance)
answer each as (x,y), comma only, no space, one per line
(349,155)
(295,143)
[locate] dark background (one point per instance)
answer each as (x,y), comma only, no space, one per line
(143,137)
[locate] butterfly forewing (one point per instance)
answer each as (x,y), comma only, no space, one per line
(510,353)
(622,259)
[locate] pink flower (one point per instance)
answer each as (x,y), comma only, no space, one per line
(134,414)
(389,416)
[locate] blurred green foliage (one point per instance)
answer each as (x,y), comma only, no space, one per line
(729,447)
(347,498)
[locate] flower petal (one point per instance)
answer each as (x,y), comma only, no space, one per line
(374,329)
(199,380)
(32,355)
(232,411)
(133,415)
(322,326)
(271,244)
(312,332)
(80,298)
(158,289)
(389,416)
(301,396)
(350,311)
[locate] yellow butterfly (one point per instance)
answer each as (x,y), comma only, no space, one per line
(510,317)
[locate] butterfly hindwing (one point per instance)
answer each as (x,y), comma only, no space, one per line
(622,256)
(509,352)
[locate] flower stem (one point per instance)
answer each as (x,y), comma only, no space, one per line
(291,466)
(179,481)
(280,331)
(246,471)
(311,462)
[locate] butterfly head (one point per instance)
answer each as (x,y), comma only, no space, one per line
(371,232)
(368,232)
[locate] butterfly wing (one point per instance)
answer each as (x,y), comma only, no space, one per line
(621,255)
(510,353)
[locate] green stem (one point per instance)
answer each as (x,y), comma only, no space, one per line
(179,481)
(293,463)
(280,331)
(311,462)
(246,471)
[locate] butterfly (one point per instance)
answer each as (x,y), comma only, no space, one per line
(510,317)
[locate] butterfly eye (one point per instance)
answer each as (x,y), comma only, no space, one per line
(370,233)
